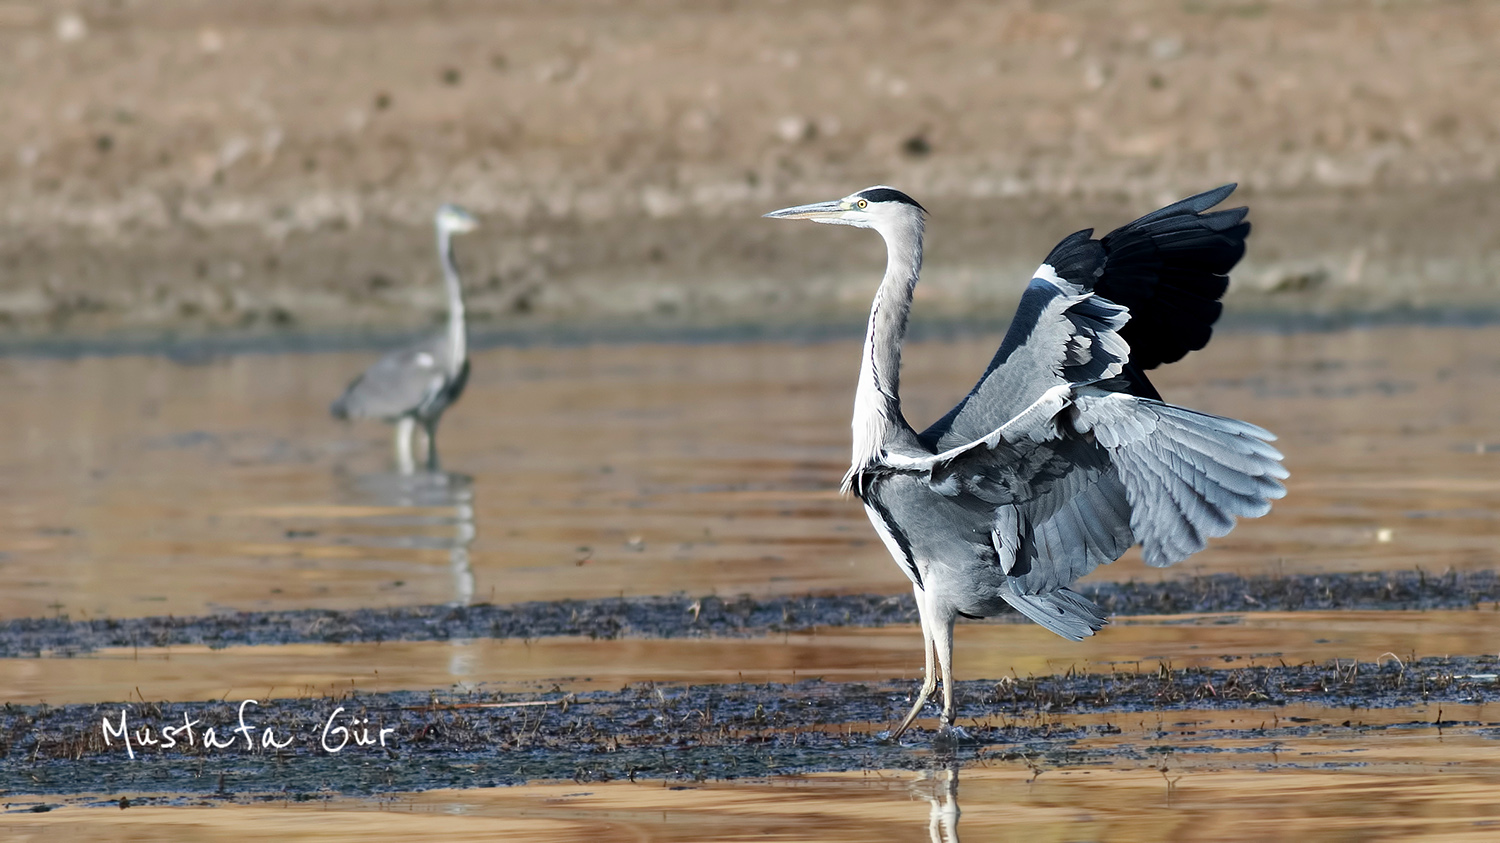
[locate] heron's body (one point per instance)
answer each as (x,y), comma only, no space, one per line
(412,386)
(1062,456)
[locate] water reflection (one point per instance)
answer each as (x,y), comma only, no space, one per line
(1403,787)
(940,787)
(389,494)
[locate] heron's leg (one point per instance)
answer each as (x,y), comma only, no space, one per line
(941,619)
(929,673)
(405,426)
(430,428)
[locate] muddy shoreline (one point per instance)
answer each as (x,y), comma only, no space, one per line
(191,166)
(689,616)
(478,739)
(194,345)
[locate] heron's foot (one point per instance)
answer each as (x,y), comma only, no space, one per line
(924,694)
(947,737)
(950,736)
(893,736)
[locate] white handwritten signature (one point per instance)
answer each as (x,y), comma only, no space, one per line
(332,740)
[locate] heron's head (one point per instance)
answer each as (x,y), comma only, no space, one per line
(881,208)
(455,220)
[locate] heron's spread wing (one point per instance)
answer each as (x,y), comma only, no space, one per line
(1060,509)
(1170,268)
(1063,611)
(1075,473)
(1034,423)
(1187,475)
(397,384)
(1061,334)
(1076,479)
(1164,273)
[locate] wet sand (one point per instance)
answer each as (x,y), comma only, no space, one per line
(193,166)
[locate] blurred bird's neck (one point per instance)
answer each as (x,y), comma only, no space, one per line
(458,340)
(878,422)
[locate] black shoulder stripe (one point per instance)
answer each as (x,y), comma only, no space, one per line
(908,562)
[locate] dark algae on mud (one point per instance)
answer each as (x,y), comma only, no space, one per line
(408,741)
(682,616)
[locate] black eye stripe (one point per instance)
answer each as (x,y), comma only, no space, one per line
(886,194)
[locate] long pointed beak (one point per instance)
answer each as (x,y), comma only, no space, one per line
(815,211)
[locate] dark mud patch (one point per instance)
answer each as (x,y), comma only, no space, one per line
(685,616)
(411,741)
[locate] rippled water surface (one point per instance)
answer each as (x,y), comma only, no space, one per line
(141,486)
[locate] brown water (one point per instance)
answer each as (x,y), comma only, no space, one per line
(140,486)
(844,655)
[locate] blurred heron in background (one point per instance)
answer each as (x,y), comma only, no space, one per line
(414,385)
(1063,456)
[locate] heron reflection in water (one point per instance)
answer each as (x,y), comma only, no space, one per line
(1063,456)
(940,788)
(414,385)
(435,492)
(424,511)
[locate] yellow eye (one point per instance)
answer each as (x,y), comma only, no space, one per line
(862,204)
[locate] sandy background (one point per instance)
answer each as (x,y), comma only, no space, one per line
(192,166)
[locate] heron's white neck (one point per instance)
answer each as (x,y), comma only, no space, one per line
(877,400)
(458,339)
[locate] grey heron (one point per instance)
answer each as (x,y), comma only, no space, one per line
(1063,455)
(415,384)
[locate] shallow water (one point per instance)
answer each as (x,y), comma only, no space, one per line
(1412,784)
(843,655)
(140,486)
